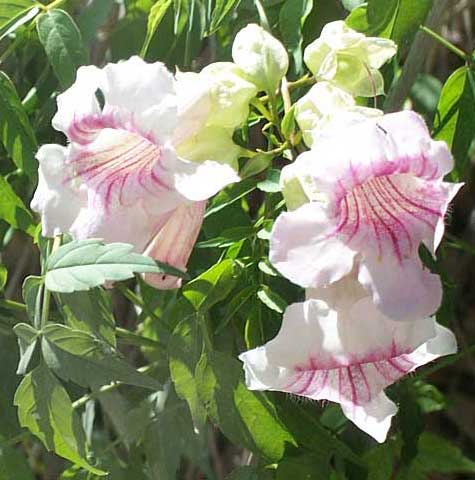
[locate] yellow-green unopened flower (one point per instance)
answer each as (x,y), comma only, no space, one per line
(323,106)
(349,59)
(261,56)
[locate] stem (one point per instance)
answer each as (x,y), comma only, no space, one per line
(260,107)
(443,41)
(47,293)
(415,60)
(132,338)
(286,95)
(55,4)
(107,388)
(305,81)
(11,305)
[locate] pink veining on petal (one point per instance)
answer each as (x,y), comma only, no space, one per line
(352,382)
(115,159)
(389,214)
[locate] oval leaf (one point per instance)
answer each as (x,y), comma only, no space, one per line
(84,264)
(62,42)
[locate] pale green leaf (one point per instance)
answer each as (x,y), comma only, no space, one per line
(27,341)
(291,21)
(247,418)
(211,286)
(455,118)
(16,133)
(11,11)
(89,312)
(84,264)
(221,10)
(13,210)
(271,299)
(184,349)
(45,408)
(63,45)
(78,356)
(157,12)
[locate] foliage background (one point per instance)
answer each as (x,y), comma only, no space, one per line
(203,423)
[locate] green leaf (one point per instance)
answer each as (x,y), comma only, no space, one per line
(27,341)
(437,455)
(380,461)
(87,361)
(271,299)
(84,264)
(230,195)
(425,94)
(271,184)
(211,286)
(157,12)
(246,417)
(291,21)
(395,19)
(455,118)
(45,408)
(228,238)
(32,296)
(12,209)
(11,11)
(63,45)
(170,437)
(256,164)
(288,123)
(184,349)
(3,276)
(16,133)
(410,16)
(221,10)
(89,312)
(308,467)
(352,4)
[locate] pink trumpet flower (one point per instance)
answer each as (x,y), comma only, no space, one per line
(379,194)
(130,173)
(338,346)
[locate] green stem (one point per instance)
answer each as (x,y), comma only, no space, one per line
(260,107)
(47,293)
(12,305)
(55,4)
(284,88)
(80,402)
(132,338)
(443,41)
(305,81)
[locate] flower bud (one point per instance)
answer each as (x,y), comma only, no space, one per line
(324,105)
(261,56)
(349,59)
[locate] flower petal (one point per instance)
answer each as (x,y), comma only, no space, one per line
(374,418)
(346,356)
(79,100)
(200,181)
(304,250)
(58,202)
(401,289)
(174,243)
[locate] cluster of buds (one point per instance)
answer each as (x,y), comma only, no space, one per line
(140,166)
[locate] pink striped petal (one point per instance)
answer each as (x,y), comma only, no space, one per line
(343,349)
(174,242)
(382,194)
